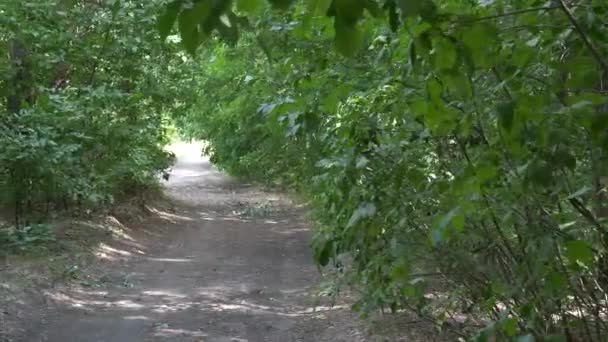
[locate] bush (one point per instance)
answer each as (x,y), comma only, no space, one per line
(87,95)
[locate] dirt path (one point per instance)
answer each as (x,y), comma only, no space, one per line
(206,272)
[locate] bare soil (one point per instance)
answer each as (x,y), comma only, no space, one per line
(224,262)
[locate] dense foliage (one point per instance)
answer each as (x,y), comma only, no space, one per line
(454,151)
(86,90)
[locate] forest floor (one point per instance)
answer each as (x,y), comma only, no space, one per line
(218,261)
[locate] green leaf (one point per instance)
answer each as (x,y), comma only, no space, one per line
(445,54)
(506,114)
(349,11)
(580,192)
(411,8)
(556,281)
(188,23)
(521,55)
(318,7)
(453,219)
(365,210)
(400,271)
(486,333)
(324,252)
(281,4)
(227,27)
(116,8)
(477,36)
(393,17)
(372,7)
(250,7)
(408,291)
(480,38)
(509,326)
(188,32)
(579,251)
(166,21)
(349,39)
(540,173)
(460,84)
(434,90)
(555,338)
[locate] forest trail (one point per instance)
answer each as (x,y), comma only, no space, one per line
(210,274)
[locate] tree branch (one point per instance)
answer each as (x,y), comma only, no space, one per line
(579,29)
(509,14)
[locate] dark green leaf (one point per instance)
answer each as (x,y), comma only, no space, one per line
(424,8)
(393,17)
(116,8)
(349,39)
(281,4)
(166,21)
(506,114)
(324,253)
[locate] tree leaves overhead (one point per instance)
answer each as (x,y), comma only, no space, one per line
(346,13)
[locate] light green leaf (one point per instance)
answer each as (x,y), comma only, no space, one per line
(453,219)
(580,192)
(521,55)
(445,54)
(480,38)
(509,326)
(408,291)
(250,7)
(579,251)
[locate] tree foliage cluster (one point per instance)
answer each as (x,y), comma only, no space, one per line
(454,152)
(86,89)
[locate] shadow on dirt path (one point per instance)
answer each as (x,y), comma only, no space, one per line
(219,267)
